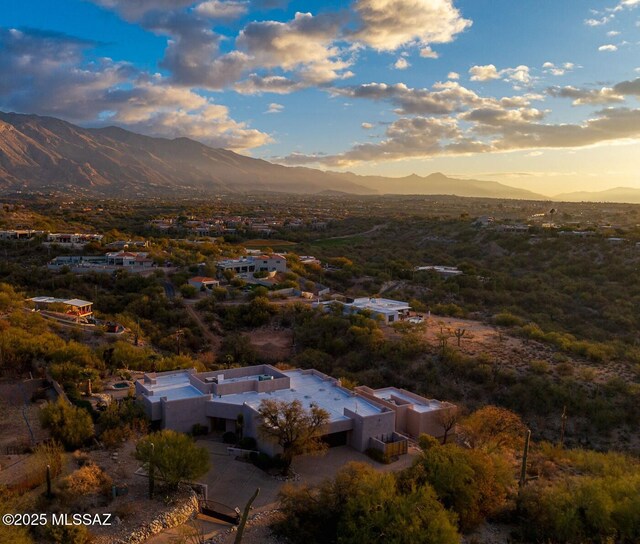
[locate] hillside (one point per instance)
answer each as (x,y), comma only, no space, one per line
(629,195)
(44,154)
(440,184)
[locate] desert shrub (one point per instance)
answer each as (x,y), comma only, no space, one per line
(175,457)
(506,319)
(113,438)
(87,480)
(363,505)
(67,534)
(538,366)
(473,484)
(71,425)
(579,509)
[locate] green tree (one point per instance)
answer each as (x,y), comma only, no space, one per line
(295,429)
(492,428)
(175,456)
(70,424)
(471,483)
(362,505)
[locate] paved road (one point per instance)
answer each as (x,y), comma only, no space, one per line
(365,233)
(169,289)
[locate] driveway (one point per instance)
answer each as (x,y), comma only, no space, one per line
(231,482)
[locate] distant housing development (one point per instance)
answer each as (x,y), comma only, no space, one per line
(75,240)
(103,263)
(364,418)
(254,263)
(389,310)
(446,271)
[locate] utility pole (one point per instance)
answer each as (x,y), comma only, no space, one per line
(151,470)
(563,426)
(525,454)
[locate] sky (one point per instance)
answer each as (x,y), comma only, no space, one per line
(539,94)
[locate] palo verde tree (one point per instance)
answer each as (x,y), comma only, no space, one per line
(175,457)
(70,424)
(295,429)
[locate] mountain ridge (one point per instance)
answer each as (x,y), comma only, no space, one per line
(627,195)
(46,154)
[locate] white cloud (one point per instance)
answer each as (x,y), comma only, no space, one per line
(599,22)
(51,78)
(401,64)
(613,33)
(484,73)
(428,53)
(386,25)
(551,68)
(274,107)
(608,48)
(581,97)
(218,9)
(453,75)
(492,130)
(367,126)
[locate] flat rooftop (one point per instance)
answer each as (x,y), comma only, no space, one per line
(172,386)
(70,302)
(309,388)
(380,304)
(425,405)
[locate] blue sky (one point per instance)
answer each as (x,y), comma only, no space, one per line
(541,93)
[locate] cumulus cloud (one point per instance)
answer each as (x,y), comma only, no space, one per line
(401,64)
(219,9)
(274,107)
(428,53)
(309,49)
(608,48)
(52,77)
(133,10)
(444,98)
(557,70)
(304,45)
(367,126)
(453,75)
(491,130)
(581,97)
(518,75)
(484,73)
(599,22)
(256,84)
(386,25)
(629,88)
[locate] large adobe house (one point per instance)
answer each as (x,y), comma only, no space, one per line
(363,418)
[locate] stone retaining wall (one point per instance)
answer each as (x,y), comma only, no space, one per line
(177,515)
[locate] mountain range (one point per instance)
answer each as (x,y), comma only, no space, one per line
(49,155)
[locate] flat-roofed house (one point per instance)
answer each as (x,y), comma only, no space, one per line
(415,415)
(391,311)
(73,309)
(203,283)
(246,266)
(363,418)
(215,399)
